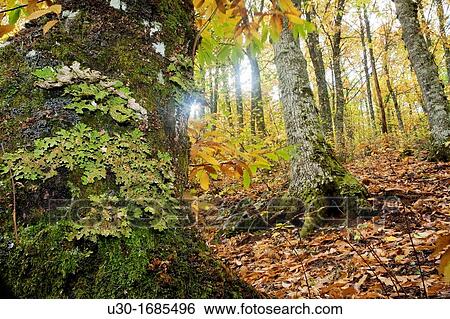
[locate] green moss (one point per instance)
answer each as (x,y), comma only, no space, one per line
(337,183)
(172,264)
(18,96)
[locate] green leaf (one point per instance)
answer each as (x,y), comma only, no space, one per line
(13,16)
(247,180)
(47,73)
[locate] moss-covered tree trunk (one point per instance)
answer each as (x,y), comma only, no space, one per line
(91,113)
(317,178)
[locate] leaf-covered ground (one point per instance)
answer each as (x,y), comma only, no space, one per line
(382,258)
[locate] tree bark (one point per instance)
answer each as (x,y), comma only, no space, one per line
(145,263)
(258,126)
(389,85)
(315,53)
(203,102)
(339,86)
(427,74)
(214,90)
(443,35)
(226,94)
(315,173)
(375,74)
(366,73)
(238,94)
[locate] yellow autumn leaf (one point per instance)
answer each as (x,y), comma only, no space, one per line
(440,244)
(444,265)
(32,6)
(49,25)
(288,6)
(38,14)
(294,19)
(390,239)
(209,159)
(56,8)
(4,29)
(198,3)
(203,179)
(276,26)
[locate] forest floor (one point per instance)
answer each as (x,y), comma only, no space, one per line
(389,256)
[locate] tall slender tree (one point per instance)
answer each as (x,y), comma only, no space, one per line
(257,122)
(315,52)
(339,85)
(366,72)
(389,84)
(226,94)
(376,80)
(238,94)
(426,70)
(443,35)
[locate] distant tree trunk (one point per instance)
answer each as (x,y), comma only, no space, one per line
(238,94)
(257,112)
(47,262)
(389,84)
(333,92)
(315,52)
(428,77)
(375,74)
(214,89)
(339,86)
(443,34)
(202,100)
(366,73)
(316,175)
(226,94)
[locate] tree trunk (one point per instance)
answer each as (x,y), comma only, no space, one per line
(427,74)
(339,86)
(58,255)
(238,94)
(226,94)
(375,74)
(316,175)
(443,34)
(214,90)
(202,100)
(391,89)
(257,111)
(366,73)
(315,53)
